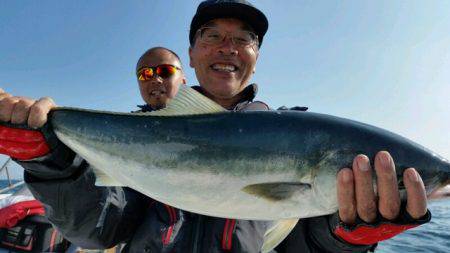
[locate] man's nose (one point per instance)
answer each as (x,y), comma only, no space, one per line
(227,47)
(156,80)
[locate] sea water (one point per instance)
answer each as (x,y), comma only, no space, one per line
(431,237)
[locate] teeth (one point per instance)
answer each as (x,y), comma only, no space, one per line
(224,67)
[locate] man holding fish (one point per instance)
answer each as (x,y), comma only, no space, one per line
(225,39)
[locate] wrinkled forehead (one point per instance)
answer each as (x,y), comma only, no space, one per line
(157,57)
(228,23)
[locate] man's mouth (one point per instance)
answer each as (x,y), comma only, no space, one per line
(224,67)
(156,93)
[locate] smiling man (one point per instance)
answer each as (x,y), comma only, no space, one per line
(225,40)
(224,66)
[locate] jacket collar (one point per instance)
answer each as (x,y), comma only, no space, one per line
(246,95)
(145,108)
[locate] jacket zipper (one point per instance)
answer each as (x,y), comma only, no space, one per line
(197,234)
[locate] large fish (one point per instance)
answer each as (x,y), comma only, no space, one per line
(259,165)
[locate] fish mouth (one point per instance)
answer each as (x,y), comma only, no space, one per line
(440,193)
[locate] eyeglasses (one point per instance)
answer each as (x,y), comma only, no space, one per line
(214,36)
(163,71)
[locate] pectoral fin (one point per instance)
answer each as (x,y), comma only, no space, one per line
(276,191)
(277,232)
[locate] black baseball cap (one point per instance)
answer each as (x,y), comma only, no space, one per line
(239,9)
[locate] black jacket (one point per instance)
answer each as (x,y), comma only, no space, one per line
(101,217)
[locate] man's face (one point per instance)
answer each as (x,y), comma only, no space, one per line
(158,91)
(225,69)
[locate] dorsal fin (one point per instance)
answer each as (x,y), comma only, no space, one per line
(189,102)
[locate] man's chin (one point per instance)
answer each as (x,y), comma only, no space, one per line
(225,91)
(159,106)
(158,103)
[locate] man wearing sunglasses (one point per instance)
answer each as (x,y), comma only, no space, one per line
(159,75)
(225,38)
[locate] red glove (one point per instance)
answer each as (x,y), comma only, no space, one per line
(367,234)
(10,215)
(22,143)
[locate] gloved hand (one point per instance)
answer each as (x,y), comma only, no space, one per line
(20,119)
(22,143)
(363,233)
(367,216)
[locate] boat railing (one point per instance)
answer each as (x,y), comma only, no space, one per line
(11,185)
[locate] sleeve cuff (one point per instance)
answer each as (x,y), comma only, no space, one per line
(322,235)
(61,163)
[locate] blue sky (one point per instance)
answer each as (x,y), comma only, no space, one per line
(386,63)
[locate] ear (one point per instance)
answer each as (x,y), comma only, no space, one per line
(191,64)
(257,55)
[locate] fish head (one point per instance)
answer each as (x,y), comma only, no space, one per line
(445,168)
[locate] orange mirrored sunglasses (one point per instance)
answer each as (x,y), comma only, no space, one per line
(163,71)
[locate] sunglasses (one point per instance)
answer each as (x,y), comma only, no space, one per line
(163,71)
